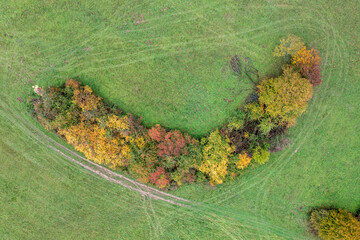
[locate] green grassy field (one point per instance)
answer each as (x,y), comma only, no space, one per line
(168,62)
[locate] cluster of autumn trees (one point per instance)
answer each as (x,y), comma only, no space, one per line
(275,105)
(105,135)
(169,158)
(330,224)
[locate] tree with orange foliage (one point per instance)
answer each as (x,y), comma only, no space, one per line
(72,83)
(244,161)
(309,63)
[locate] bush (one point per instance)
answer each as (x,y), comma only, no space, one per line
(86,99)
(309,63)
(97,145)
(335,224)
(285,98)
(172,143)
(187,165)
(288,46)
(56,109)
(254,111)
(266,125)
(305,57)
(244,161)
(237,121)
(261,155)
(216,153)
(157,133)
(316,217)
(160,178)
(141,172)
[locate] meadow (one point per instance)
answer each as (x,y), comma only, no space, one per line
(168,62)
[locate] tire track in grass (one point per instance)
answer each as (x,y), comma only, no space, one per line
(95,168)
(299,134)
(280,156)
(314,120)
(281,163)
(150,221)
(54,158)
(308,133)
(214,216)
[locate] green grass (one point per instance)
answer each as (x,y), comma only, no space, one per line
(181,84)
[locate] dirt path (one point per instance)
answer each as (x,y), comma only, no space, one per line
(94,168)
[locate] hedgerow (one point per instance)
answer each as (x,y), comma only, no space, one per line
(168,158)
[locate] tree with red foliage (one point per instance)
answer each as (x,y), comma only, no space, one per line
(160,178)
(312,73)
(157,133)
(172,143)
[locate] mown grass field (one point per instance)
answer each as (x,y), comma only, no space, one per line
(168,62)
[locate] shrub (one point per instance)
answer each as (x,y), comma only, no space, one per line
(160,178)
(157,133)
(261,155)
(335,224)
(86,99)
(97,146)
(172,143)
(306,57)
(141,172)
(309,63)
(72,83)
(117,123)
(56,109)
(285,98)
(266,125)
(288,46)
(244,161)
(186,165)
(216,153)
(316,217)
(254,111)
(236,121)
(313,74)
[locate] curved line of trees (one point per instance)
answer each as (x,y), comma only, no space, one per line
(168,158)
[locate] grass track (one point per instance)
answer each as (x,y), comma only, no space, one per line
(45,196)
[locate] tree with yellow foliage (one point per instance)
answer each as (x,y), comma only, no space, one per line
(244,161)
(86,99)
(216,154)
(288,46)
(285,98)
(335,224)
